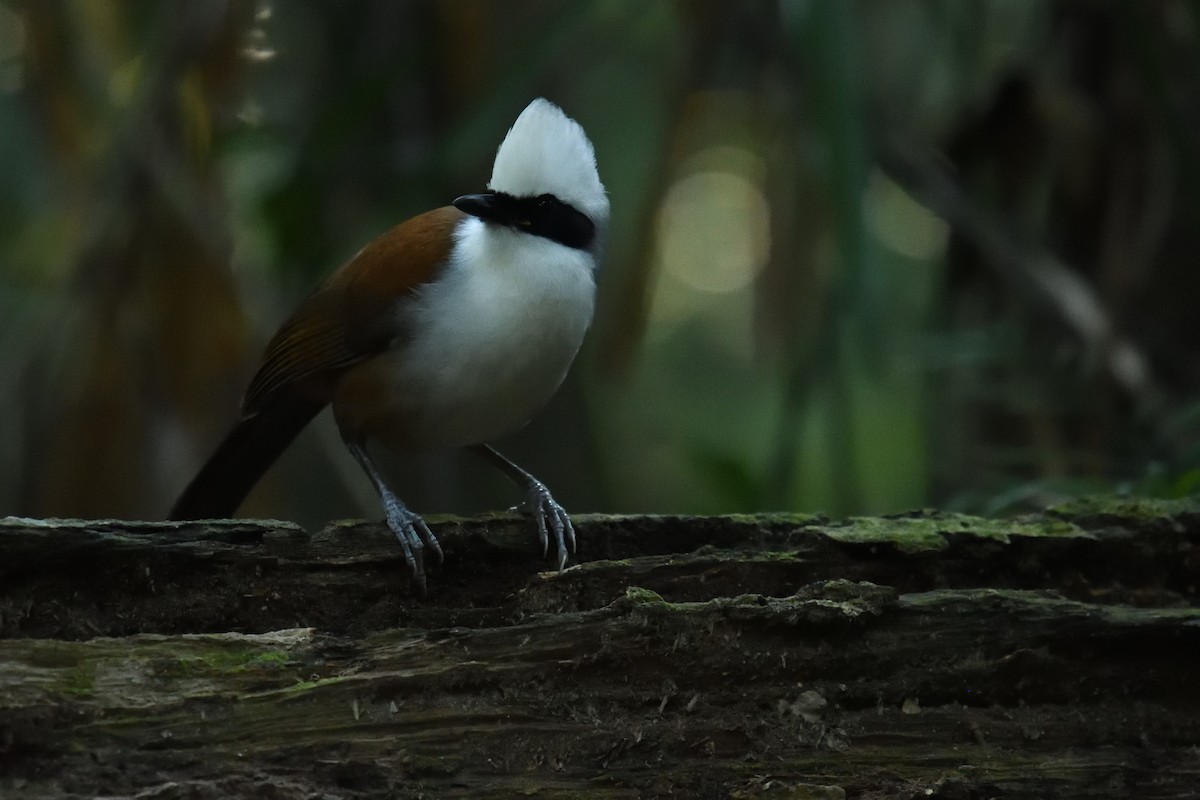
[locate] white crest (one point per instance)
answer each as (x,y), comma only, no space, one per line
(547,152)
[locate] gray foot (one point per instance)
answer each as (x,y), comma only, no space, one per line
(414,536)
(551,518)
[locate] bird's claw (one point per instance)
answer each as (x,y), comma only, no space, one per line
(550,517)
(414,536)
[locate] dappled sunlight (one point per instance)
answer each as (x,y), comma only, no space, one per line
(902,224)
(713,238)
(713,231)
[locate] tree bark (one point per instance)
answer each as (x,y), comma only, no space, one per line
(924,655)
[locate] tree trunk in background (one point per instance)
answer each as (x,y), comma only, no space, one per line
(148,350)
(929,655)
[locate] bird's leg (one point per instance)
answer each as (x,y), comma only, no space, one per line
(408,526)
(546,511)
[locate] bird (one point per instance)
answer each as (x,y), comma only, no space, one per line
(451,329)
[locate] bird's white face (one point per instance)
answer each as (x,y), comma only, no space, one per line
(547,152)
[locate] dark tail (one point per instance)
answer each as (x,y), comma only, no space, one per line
(242,458)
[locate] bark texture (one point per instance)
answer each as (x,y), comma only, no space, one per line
(925,655)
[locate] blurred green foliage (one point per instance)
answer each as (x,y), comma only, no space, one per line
(865,255)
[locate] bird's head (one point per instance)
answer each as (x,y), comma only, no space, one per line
(544,181)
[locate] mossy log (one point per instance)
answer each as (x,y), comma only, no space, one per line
(925,655)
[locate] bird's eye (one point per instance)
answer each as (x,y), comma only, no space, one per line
(543,201)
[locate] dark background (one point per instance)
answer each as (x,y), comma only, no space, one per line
(865,256)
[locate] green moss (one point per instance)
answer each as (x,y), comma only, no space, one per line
(636,595)
(222,662)
(909,535)
(300,687)
(773,555)
(776,518)
(928,532)
(268,660)
(79,679)
(1140,509)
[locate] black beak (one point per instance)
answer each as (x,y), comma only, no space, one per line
(490,207)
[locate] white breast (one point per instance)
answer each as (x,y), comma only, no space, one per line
(493,337)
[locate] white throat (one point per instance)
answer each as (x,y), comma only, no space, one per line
(496,334)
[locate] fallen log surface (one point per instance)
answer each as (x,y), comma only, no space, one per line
(775,656)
